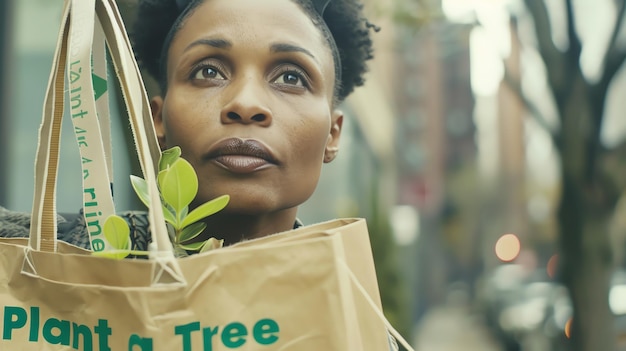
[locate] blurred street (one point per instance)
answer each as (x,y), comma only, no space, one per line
(453,328)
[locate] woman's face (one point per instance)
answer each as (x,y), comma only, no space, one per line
(249,101)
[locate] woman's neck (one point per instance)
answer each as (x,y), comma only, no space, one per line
(236,227)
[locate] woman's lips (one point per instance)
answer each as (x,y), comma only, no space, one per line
(241,156)
(241,164)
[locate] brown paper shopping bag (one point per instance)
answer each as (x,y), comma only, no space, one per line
(309,289)
(294,296)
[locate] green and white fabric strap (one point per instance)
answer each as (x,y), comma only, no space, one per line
(99,77)
(97,192)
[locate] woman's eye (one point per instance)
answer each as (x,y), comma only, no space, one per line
(207,73)
(290,78)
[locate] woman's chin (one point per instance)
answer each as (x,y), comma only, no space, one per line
(250,206)
(256,201)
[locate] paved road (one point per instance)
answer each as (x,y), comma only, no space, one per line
(452,328)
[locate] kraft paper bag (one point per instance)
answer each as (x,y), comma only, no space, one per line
(292,296)
(312,288)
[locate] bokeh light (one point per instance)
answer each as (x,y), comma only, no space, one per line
(508,247)
(552,265)
(568,328)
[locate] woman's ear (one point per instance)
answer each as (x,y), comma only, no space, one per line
(156,105)
(332,145)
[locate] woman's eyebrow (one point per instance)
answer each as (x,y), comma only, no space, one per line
(216,43)
(284,47)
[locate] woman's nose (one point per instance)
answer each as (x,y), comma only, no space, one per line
(248,105)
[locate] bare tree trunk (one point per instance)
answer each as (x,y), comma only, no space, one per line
(584,212)
(587,268)
(588,195)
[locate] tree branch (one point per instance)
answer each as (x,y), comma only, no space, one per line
(515,85)
(575,47)
(619,20)
(616,54)
(613,61)
(552,57)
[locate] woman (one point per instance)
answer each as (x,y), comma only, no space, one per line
(249,91)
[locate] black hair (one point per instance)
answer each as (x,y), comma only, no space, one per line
(342,24)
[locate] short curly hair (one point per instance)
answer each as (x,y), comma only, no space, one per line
(346,30)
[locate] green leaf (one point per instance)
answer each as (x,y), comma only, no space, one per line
(206,209)
(179,185)
(116,232)
(161,178)
(171,232)
(169,216)
(141,189)
(212,244)
(193,246)
(168,157)
(191,232)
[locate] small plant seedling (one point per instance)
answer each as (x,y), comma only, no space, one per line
(178,186)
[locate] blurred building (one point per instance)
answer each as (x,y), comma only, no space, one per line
(436,153)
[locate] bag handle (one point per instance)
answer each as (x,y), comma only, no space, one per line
(376,309)
(133,89)
(97,192)
(43,223)
(101,91)
(138,105)
(43,226)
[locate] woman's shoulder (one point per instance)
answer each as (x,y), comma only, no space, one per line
(75,232)
(71,227)
(14,224)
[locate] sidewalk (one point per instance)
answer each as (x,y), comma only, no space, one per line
(453,328)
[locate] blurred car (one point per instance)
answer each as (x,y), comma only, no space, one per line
(501,294)
(559,313)
(527,311)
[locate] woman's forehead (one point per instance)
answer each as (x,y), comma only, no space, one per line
(253,21)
